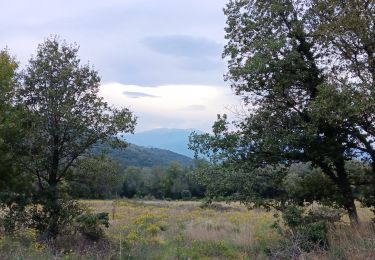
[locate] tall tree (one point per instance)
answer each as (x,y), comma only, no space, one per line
(15,185)
(293,62)
(8,67)
(11,128)
(67,118)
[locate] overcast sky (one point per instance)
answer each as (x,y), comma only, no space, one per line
(161,58)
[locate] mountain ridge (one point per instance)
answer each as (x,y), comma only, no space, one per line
(172,139)
(139,156)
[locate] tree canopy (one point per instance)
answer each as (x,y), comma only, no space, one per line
(305,73)
(64,118)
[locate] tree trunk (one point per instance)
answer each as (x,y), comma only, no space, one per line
(53,206)
(54,212)
(347,192)
(352,212)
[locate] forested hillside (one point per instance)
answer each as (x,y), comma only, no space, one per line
(139,156)
(175,140)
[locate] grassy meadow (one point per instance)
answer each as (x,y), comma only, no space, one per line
(186,230)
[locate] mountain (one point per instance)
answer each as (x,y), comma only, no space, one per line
(175,140)
(138,156)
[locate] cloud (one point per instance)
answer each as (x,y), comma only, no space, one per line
(142,42)
(194,108)
(132,94)
(177,106)
(184,46)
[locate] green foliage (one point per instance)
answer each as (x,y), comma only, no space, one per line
(310,225)
(299,106)
(138,156)
(307,184)
(15,183)
(50,117)
(55,216)
(90,225)
(14,217)
(96,178)
(307,231)
(160,182)
(186,195)
(68,118)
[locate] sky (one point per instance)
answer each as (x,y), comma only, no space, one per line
(160,58)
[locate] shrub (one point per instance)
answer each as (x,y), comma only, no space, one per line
(90,225)
(312,225)
(13,218)
(186,195)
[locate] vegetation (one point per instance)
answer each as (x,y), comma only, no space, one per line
(305,73)
(182,230)
(95,177)
(139,156)
(62,118)
(171,182)
(102,178)
(298,163)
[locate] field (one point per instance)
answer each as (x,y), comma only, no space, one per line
(186,230)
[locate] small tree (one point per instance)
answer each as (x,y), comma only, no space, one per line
(67,118)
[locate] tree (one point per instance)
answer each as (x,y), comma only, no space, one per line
(174,181)
(305,75)
(95,177)
(67,119)
(15,185)
(8,127)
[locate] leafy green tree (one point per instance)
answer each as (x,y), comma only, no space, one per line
(67,119)
(15,185)
(8,116)
(95,177)
(174,181)
(304,70)
(133,182)
(160,182)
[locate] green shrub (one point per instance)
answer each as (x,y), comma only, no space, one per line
(186,195)
(13,218)
(90,225)
(311,225)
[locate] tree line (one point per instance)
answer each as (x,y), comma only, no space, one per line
(100,177)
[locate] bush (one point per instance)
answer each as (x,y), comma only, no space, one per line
(186,195)
(57,216)
(312,225)
(90,225)
(13,218)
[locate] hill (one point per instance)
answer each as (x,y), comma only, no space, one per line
(175,140)
(138,156)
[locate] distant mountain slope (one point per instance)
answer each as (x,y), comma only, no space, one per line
(175,140)
(138,156)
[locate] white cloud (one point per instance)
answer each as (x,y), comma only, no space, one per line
(181,64)
(172,106)
(112,37)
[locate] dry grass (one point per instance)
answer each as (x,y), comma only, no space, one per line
(185,230)
(346,242)
(353,242)
(232,226)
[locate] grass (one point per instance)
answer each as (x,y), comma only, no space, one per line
(185,230)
